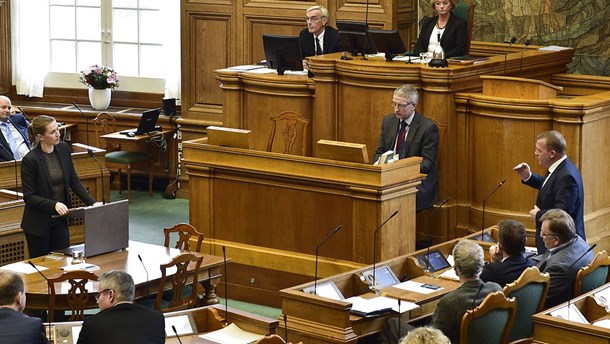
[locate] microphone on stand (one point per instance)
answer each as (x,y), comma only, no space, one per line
(527,43)
(224,257)
(176,333)
(374,282)
(16,173)
(50,329)
(145,270)
(484,201)
(286,328)
(570,273)
(90,152)
(24,114)
(315,277)
(429,243)
(366,30)
(512,41)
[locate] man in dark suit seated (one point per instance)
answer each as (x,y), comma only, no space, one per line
(16,327)
(451,308)
(14,141)
(561,188)
(409,134)
(564,255)
(507,260)
(120,321)
(317,38)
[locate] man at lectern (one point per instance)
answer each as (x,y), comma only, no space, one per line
(48,175)
(14,139)
(407,133)
(317,38)
(16,327)
(120,321)
(560,188)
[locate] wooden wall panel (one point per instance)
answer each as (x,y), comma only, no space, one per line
(5,47)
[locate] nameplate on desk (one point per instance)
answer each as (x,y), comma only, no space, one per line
(328,290)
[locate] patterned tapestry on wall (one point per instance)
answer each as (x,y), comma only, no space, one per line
(582,25)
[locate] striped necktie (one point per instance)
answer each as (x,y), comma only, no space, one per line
(400,144)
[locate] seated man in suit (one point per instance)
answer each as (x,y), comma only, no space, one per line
(16,327)
(317,38)
(507,260)
(447,317)
(14,140)
(566,253)
(409,134)
(120,321)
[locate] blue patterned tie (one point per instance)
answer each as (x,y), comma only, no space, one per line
(11,141)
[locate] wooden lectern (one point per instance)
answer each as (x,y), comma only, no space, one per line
(518,88)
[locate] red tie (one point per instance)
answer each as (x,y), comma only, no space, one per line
(400,144)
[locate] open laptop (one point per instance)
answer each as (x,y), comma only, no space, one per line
(148,123)
(106,229)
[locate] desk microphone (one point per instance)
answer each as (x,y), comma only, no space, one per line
(527,43)
(366,30)
(286,328)
(90,152)
(224,258)
(24,114)
(16,173)
(374,282)
(176,333)
(512,41)
(145,270)
(315,277)
(429,243)
(570,291)
(399,320)
(484,201)
(49,292)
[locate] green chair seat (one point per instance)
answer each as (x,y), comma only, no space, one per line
(124,157)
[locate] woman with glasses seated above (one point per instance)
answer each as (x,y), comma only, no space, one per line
(317,38)
(453,31)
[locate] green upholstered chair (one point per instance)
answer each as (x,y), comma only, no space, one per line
(530,291)
(118,159)
(593,275)
(490,322)
(465,10)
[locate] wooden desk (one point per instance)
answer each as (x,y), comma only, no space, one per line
(152,256)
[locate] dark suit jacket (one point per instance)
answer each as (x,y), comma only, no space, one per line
(332,42)
(563,190)
(38,191)
(454,40)
(557,264)
(506,271)
(22,126)
(18,328)
(124,324)
(448,314)
(422,141)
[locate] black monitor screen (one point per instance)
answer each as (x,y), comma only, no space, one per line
(282,52)
(388,42)
(344,25)
(354,42)
(435,260)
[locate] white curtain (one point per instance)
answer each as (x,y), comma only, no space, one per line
(30,45)
(170,11)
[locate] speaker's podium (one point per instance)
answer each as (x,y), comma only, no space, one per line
(518,88)
(271,210)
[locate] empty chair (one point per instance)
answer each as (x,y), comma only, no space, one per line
(593,275)
(179,281)
(530,292)
(78,298)
(185,232)
(490,322)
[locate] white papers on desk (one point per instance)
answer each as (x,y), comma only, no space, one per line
(80,266)
(263,70)
(602,298)
(406,58)
(450,275)
(245,68)
(231,334)
(366,306)
(416,287)
(22,267)
(553,48)
(605,323)
(571,313)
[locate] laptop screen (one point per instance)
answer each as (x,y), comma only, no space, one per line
(148,121)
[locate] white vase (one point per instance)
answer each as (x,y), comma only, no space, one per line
(100,99)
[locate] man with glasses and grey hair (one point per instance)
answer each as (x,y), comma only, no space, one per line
(317,38)
(409,134)
(119,320)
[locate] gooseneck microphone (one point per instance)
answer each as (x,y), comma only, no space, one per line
(286,328)
(527,43)
(24,114)
(429,243)
(366,30)
(374,281)
(145,270)
(512,41)
(16,173)
(224,258)
(485,201)
(315,277)
(90,152)
(570,291)
(176,333)
(49,292)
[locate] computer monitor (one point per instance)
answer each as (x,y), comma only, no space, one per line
(346,25)
(282,53)
(388,42)
(354,43)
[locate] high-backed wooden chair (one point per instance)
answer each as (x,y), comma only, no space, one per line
(465,10)
(593,275)
(490,322)
(272,339)
(185,232)
(286,128)
(179,280)
(78,297)
(530,290)
(119,159)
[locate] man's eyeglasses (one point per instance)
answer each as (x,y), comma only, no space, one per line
(97,296)
(543,234)
(313,19)
(399,105)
